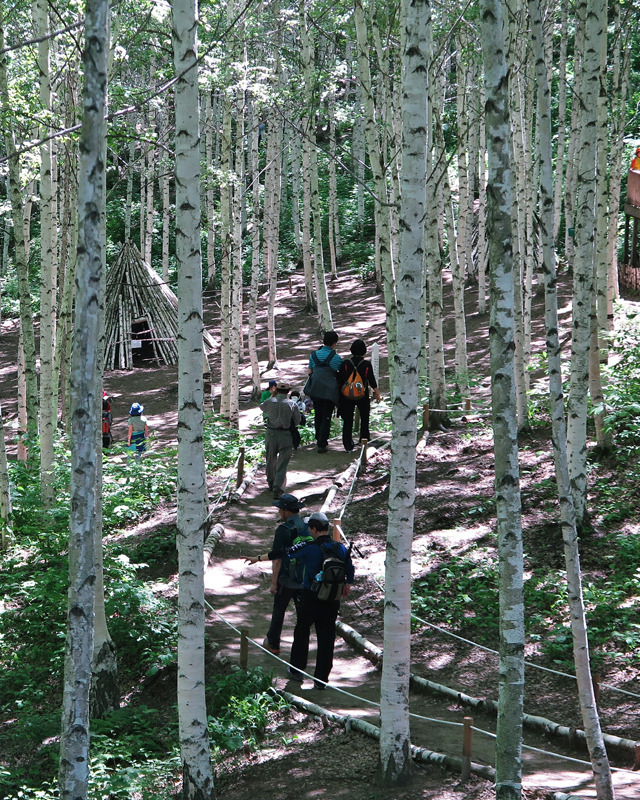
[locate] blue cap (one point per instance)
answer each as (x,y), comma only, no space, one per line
(135,410)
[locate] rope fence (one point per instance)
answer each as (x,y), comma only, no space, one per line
(466,724)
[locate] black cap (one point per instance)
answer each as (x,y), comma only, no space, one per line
(289,502)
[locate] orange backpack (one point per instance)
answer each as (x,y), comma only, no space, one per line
(354,388)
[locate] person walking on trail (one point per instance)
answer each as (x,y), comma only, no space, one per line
(138,430)
(355,376)
(322,387)
(312,609)
(284,588)
(279,414)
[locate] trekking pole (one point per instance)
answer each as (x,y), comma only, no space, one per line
(467,723)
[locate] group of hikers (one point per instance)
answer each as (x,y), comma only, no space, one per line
(333,384)
(315,571)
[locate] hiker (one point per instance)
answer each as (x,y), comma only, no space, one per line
(280,414)
(295,433)
(354,377)
(313,609)
(291,530)
(270,391)
(138,430)
(635,161)
(107,420)
(322,387)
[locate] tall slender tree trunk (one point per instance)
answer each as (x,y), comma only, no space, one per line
(395,744)
(85,410)
(503,399)
(21,257)
(583,271)
(48,271)
(192,484)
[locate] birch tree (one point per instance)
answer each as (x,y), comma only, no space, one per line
(85,410)
(395,745)
(503,401)
(48,267)
(192,486)
(593,16)
(588,707)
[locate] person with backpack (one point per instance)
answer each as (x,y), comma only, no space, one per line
(327,575)
(322,387)
(280,416)
(355,376)
(285,581)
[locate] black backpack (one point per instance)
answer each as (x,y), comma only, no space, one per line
(323,382)
(329,583)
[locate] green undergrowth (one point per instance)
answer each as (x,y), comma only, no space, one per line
(142,622)
(134,750)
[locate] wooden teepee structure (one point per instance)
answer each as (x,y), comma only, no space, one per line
(141,314)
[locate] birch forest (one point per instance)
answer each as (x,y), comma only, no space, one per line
(191,196)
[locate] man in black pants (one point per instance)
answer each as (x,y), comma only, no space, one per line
(283,587)
(322,614)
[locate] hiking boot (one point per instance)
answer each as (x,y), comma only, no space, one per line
(268,646)
(294,675)
(319,686)
(277,493)
(323,449)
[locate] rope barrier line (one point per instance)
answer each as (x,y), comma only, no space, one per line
(372,703)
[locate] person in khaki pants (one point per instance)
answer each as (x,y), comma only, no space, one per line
(279,412)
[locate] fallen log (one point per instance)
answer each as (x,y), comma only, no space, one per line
(216,533)
(420,754)
(235,496)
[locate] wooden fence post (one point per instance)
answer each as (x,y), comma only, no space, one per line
(290,285)
(595,678)
(244,648)
(467,404)
(363,460)
(425,417)
(466,748)
(337,530)
(240,477)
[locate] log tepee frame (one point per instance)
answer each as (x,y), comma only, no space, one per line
(140,308)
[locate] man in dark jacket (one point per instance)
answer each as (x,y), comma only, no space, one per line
(283,588)
(322,614)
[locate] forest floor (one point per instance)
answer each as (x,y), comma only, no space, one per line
(304,758)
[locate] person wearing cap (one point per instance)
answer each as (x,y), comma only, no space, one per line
(635,161)
(347,406)
(270,391)
(321,614)
(283,588)
(138,429)
(279,414)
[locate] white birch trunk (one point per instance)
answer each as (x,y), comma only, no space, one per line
(48,271)
(192,485)
(85,410)
(588,705)
(583,270)
(562,117)
(307,56)
(210,204)
(307,259)
(21,257)
(254,170)
(381,209)
(225,259)
(295,151)
(482,214)
(130,171)
(505,424)
(395,743)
